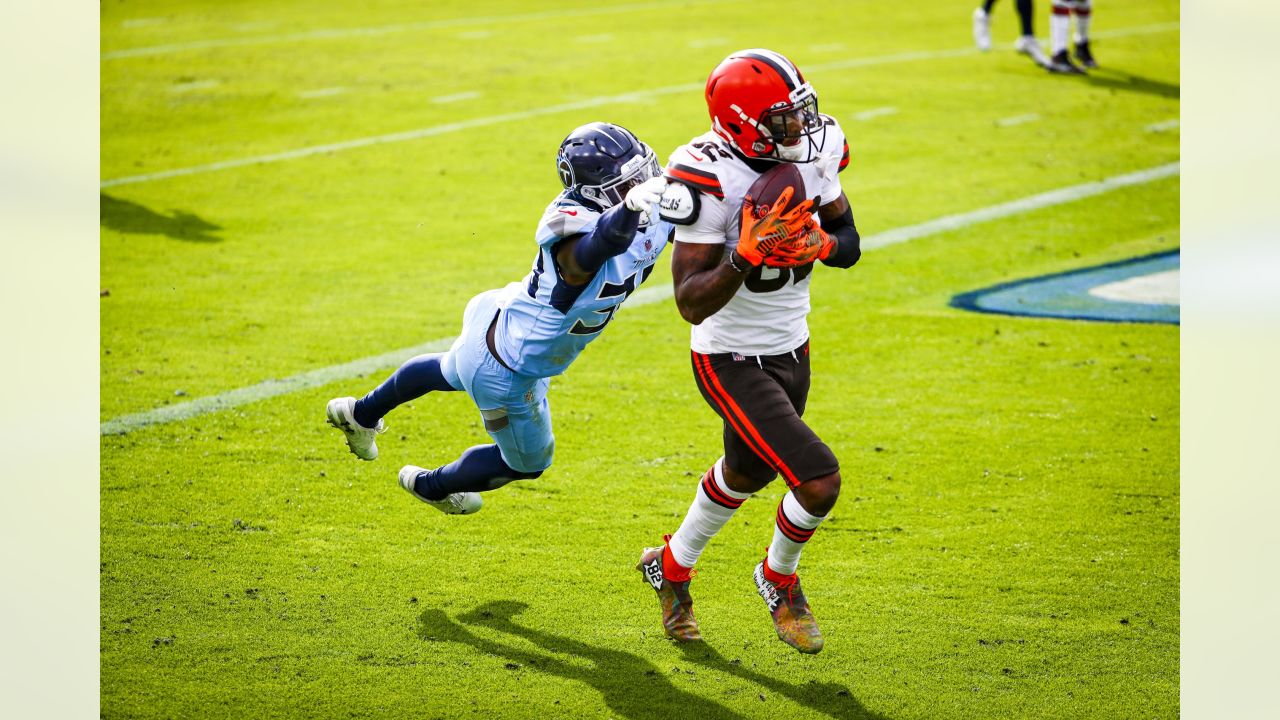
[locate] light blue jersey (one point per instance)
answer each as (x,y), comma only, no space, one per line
(545,322)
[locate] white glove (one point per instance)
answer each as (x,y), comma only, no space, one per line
(642,197)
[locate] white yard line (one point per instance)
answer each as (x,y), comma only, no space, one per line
(457,97)
(1165,126)
(403,136)
(874,113)
(191,86)
(322,92)
(331,33)
(142,22)
(1017,120)
(551,110)
(644,296)
(1016,207)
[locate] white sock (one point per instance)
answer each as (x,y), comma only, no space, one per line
(712,507)
(792,528)
(1084,15)
(1059,27)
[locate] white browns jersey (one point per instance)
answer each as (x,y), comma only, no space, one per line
(767,314)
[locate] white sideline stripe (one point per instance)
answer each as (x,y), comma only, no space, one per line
(1017,120)
(402,136)
(644,296)
(1016,207)
(190,86)
(457,97)
(322,92)
(141,22)
(866,115)
(1163,126)
(550,110)
(330,33)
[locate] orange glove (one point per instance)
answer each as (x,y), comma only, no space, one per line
(809,244)
(764,229)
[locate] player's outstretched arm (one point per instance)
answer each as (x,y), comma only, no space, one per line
(580,256)
(837,222)
(704,279)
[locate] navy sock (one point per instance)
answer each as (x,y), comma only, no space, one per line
(415,378)
(1025,14)
(986,6)
(480,468)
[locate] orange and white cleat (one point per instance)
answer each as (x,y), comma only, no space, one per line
(792,617)
(677,606)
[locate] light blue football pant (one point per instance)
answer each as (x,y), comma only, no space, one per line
(514,407)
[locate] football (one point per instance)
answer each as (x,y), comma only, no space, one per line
(766,189)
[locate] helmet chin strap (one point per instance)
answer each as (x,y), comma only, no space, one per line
(793,153)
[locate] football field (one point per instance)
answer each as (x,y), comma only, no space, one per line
(296,197)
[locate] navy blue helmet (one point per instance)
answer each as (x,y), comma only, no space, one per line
(599,162)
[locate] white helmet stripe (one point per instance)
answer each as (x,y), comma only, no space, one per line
(781,64)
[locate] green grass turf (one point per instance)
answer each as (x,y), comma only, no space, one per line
(1007,541)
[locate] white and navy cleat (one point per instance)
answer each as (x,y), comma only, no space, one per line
(1029,46)
(981,29)
(459,503)
(360,439)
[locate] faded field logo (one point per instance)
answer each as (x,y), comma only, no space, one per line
(1142,289)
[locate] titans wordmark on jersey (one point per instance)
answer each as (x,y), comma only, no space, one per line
(545,322)
(767,314)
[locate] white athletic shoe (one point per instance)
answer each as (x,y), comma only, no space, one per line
(981,29)
(459,503)
(1029,46)
(360,439)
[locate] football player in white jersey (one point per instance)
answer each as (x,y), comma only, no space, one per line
(597,241)
(747,297)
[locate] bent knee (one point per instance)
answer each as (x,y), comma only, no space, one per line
(531,464)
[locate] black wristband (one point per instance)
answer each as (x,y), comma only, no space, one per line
(734,265)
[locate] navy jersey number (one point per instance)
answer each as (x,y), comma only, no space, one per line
(609,290)
(756,282)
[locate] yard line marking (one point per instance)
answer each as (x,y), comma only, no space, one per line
(1017,207)
(873,113)
(601,38)
(1163,126)
(194,85)
(322,92)
(549,110)
(141,22)
(331,33)
(645,296)
(403,136)
(457,97)
(1017,120)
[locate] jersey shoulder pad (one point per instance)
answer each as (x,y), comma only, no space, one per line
(690,167)
(563,218)
(836,142)
(680,204)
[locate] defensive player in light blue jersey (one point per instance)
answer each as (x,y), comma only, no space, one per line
(597,241)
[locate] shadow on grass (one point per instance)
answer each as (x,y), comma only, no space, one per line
(1128,82)
(827,698)
(132,218)
(631,686)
